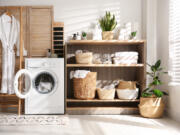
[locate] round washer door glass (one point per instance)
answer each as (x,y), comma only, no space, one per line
(44,82)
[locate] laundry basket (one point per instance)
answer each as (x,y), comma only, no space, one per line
(105,94)
(84,58)
(85,88)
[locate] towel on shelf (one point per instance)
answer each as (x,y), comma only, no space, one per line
(125,57)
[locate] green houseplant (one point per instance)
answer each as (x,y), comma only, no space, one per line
(108,24)
(133,35)
(84,35)
(151,103)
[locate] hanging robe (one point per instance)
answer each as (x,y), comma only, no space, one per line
(9,36)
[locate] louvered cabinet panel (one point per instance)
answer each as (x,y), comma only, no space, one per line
(40,31)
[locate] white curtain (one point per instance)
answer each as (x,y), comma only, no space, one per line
(174,41)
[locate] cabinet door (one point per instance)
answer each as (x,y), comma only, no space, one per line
(40,30)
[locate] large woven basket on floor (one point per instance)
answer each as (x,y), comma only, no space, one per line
(84,58)
(85,88)
(151,107)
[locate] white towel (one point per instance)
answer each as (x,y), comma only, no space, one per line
(79,74)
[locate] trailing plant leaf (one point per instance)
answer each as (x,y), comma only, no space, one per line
(146,94)
(108,22)
(158,93)
(165,93)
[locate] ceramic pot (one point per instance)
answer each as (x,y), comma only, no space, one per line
(151,107)
(107,35)
(83,38)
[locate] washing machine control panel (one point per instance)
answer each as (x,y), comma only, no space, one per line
(42,64)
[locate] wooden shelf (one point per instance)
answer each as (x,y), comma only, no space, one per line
(8,105)
(101,110)
(98,100)
(104,65)
(106,42)
(6,95)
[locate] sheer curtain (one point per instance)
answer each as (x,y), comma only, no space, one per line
(174,41)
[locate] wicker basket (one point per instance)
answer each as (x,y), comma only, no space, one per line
(151,107)
(84,58)
(127,85)
(85,88)
(106,94)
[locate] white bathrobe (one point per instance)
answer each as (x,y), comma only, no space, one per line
(9,36)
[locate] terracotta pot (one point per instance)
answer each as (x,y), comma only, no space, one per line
(151,107)
(107,35)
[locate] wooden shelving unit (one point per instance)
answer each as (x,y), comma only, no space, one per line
(98,100)
(104,65)
(105,72)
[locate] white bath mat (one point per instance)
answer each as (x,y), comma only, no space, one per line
(14,120)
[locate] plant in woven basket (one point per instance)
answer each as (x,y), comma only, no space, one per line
(152,90)
(151,102)
(108,22)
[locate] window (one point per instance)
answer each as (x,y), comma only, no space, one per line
(174,41)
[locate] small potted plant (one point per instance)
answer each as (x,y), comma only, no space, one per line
(133,35)
(151,103)
(84,36)
(107,24)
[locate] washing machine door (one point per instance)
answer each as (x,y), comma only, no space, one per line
(25,92)
(45,82)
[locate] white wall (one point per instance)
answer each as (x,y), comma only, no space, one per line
(79,15)
(173,100)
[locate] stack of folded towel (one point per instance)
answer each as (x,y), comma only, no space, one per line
(125,58)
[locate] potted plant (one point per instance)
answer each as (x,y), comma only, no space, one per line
(84,35)
(151,103)
(133,35)
(107,24)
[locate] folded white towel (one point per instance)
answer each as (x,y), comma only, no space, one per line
(79,74)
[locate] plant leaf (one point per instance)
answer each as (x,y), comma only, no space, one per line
(157,64)
(145,94)
(158,92)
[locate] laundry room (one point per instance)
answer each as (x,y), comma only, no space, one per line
(76,66)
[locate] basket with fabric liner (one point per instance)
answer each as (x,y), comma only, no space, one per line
(127,90)
(85,88)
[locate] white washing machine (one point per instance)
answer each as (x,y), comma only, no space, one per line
(45,84)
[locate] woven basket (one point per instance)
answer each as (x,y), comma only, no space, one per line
(127,94)
(151,107)
(127,85)
(106,94)
(85,88)
(84,58)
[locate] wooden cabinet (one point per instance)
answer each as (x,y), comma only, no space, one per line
(105,72)
(40,31)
